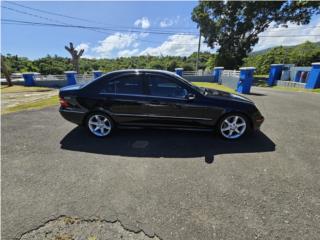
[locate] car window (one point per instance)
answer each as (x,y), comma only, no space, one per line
(164,87)
(131,84)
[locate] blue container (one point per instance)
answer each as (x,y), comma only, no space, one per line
(298,76)
(96,74)
(275,74)
(179,71)
(246,80)
(71,77)
(29,79)
(217,72)
(314,77)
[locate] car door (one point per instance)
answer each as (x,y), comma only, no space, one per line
(124,99)
(168,104)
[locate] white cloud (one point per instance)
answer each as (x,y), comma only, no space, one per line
(114,42)
(166,23)
(169,22)
(177,45)
(273,34)
(128,52)
(84,46)
(143,23)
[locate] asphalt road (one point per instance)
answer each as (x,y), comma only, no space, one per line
(172,184)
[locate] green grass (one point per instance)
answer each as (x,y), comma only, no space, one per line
(51,101)
(261,75)
(214,86)
(17,89)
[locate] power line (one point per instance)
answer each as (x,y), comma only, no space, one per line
(125,27)
(26,23)
(83,19)
(101,28)
(132,31)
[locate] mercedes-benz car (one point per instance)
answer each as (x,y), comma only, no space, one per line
(154,98)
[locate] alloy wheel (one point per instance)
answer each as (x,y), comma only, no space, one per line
(233,126)
(99,125)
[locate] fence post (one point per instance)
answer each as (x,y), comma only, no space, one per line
(29,79)
(314,76)
(245,79)
(179,71)
(71,77)
(96,74)
(275,74)
(217,72)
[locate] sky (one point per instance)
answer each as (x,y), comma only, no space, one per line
(125,29)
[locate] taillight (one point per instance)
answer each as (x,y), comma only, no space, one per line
(64,103)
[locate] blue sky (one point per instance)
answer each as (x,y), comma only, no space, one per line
(170,17)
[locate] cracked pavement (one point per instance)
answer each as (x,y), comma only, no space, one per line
(172,184)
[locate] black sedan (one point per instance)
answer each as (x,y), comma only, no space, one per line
(151,98)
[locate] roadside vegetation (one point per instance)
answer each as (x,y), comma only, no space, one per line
(301,55)
(18,98)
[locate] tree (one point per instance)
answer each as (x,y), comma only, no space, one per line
(75,54)
(235,25)
(5,70)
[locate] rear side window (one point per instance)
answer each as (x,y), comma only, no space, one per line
(131,84)
(159,86)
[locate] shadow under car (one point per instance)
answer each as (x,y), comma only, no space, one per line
(164,143)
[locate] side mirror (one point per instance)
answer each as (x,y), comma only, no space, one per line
(190,96)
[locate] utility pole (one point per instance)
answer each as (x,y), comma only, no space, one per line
(197,63)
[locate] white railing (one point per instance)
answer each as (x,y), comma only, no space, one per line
(235,73)
(290,84)
(196,73)
(50,77)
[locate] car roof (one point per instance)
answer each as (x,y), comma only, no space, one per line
(141,71)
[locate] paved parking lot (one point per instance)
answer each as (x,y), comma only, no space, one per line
(165,184)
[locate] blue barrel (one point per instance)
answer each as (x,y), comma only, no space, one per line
(275,74)
(217,72)
(179,71)
(246,79)
(314,77)
(29,79)
(71,77)
(96,74)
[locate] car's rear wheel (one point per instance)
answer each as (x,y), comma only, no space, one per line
(99,124)
(233,126)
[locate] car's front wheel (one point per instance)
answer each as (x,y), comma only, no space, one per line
(233,126)
(99,124)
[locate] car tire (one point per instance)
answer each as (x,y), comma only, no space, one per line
(99,124)
(233,126)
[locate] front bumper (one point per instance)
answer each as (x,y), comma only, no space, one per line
(74,116)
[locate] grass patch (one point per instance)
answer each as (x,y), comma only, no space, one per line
(261,75)
(18,89)
(42,103)
(214,86)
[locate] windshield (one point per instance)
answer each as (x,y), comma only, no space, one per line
(198,89)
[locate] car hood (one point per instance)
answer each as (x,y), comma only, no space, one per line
(210,93)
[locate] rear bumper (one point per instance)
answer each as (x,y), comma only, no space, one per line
(74,116)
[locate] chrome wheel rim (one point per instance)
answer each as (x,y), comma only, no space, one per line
(233,127)
(99,125)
